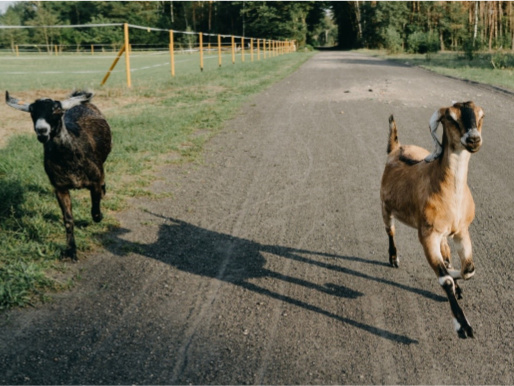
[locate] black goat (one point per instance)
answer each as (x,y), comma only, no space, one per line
(77,140)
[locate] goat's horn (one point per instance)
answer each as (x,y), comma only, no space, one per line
(433,125)
(76,99)
(15,103)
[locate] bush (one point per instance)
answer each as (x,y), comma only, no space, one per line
(502,60)
(393,41)
(422,42)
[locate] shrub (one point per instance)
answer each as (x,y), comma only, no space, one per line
(393,41)
(422,42)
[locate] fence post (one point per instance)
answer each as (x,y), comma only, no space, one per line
(172,53)
(251,49)
(233,50)
(127,54)
(201,50)
(258,50)
(113,65)
(219,50)
(242,49)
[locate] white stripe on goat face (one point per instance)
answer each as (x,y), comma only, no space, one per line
(42,128)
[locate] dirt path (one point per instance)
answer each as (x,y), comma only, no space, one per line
(268,265)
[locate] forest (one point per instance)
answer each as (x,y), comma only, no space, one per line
(426,26)
(398,26)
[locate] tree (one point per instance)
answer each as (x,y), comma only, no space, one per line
(12,37)
(43,19)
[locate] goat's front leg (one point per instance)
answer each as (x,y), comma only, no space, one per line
(431,242)
(463,243)
(446,253)
(64,199)
(97,192)
(447,258)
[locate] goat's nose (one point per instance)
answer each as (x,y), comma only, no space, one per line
(473,139)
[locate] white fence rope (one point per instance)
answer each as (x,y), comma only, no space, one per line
(121,25)
(273,46)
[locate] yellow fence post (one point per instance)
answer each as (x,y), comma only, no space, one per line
(233,50)
(251,49)
(258,49)
(201,51)
(127,54)
(17,50)
(242,49)
(113,65)
(219,50)
(172,53)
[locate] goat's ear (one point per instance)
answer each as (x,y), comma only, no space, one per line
(76,100)
(16,104)
(435,120)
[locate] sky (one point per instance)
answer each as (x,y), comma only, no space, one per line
(4,5)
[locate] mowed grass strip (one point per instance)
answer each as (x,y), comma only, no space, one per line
(158,120)
(495,69)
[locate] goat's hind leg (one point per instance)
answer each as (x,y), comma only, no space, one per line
(64,199)
(394,260)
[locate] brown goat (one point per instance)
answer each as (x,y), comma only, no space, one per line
(77,140)
(429,192)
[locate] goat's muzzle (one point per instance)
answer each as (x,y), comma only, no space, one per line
(42,129)
(472,140)
(43,138)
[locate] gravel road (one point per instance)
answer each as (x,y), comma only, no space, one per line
(269,264)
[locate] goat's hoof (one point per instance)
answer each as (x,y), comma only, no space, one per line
(468,271)
(465,332)
(70,254)
(97,217)
(394,261)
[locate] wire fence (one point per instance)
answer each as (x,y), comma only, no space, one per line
(206,47)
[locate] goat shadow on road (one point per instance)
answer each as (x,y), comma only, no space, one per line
(235,260)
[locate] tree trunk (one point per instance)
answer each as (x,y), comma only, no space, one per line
(475,27)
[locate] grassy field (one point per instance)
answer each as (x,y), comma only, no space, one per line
(496,69)
(159,120)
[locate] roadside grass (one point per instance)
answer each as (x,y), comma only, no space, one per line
(159,120)
(496,69)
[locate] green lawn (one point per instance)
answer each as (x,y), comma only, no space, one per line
(41,71)
(158,116)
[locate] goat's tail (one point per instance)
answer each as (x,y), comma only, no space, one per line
(392,143)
